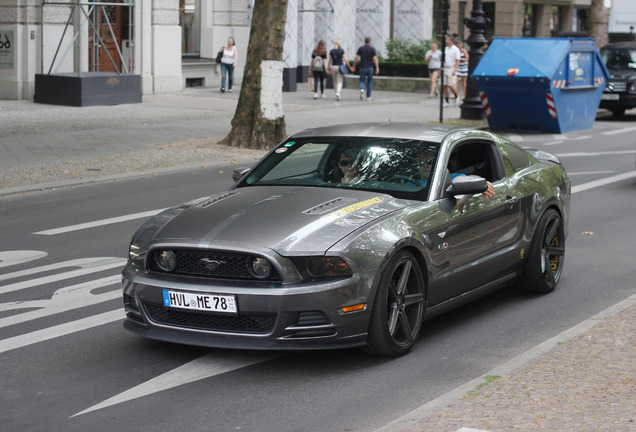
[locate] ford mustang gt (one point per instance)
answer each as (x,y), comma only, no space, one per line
(350,236)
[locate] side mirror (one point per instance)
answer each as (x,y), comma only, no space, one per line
(238,173)
(467,185)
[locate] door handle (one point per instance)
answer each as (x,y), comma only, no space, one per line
(510,202)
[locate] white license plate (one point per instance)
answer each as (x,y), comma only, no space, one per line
(610,96)
(202,302)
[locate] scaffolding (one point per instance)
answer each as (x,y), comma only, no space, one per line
(94,14)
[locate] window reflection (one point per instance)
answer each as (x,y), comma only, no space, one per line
(189,20)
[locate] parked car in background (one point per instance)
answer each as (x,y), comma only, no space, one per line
(350,236)
(620,91)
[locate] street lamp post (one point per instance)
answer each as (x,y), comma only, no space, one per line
(471,109)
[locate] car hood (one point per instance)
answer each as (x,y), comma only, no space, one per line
(288,221)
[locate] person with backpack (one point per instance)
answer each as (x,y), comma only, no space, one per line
(317,67)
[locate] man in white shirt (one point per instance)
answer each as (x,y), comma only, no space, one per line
(451,63)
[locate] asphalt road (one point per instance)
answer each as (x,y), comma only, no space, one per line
(67,364)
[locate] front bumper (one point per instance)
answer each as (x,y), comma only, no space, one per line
(302,317)
(625,100)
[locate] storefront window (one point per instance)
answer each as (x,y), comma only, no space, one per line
(189,20)
(555,21)
(529,20)
(580,19)
(489,12)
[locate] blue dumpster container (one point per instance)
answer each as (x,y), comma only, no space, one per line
(541,85)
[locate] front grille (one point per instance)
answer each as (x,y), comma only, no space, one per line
(226,265)
(261,324)
(616,87)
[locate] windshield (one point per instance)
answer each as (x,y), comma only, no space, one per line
(619,58)
(399,167)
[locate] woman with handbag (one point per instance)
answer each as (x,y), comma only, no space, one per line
(338,66)
(228,63)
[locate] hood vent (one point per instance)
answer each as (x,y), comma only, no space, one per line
(216,199)
(328,206)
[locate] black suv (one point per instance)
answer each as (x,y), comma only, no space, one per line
(620,92)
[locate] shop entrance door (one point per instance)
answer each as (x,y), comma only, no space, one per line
(103,50)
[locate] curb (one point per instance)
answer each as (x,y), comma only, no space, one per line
(419,414)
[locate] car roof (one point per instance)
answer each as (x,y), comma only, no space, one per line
(417,131)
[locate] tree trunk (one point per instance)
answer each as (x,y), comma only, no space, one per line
(259,122)
(599,22)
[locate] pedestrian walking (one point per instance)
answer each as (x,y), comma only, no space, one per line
(228,63)
(434,59)
(317,67)
(337,67)
(368,60)
(451,63)
(462,69)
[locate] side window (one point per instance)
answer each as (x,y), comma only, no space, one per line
(474,158)
(517,157)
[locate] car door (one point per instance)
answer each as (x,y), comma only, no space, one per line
(482,232)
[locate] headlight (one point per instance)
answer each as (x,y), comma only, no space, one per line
(259,267)
(166,260)
(631,87)
(323,267)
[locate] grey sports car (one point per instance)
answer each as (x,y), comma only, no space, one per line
(350,236)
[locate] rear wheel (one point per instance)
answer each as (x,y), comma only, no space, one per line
(398,308)
(618,112)
(545,262)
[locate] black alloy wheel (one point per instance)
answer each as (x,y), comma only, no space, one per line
(545,264)
(398,309)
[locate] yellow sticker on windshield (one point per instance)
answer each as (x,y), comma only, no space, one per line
(354,207)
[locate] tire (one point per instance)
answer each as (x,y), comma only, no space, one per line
(398,309)
(543,269)
(618,112)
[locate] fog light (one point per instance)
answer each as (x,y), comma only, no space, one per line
(166,260)
(259,267)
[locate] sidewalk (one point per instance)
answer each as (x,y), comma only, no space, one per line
(581,380)
(41,145)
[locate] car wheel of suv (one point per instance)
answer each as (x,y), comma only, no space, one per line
(618,112)
(398,309)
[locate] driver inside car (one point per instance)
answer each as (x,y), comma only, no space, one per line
(425,161)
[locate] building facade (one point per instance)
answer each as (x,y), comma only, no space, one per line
(171,44)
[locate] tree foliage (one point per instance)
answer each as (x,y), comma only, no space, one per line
(405,51)
(250,129)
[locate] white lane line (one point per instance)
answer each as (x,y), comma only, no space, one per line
(215,363)
(60,330)
(619,131)
(89,265)
(101,222)
(607,153)
(10,258)
(603,182)
(589,173)
(63,300)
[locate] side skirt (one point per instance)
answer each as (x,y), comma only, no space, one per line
(460,300)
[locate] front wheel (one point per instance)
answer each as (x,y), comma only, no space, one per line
(545,263)
(398,309)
